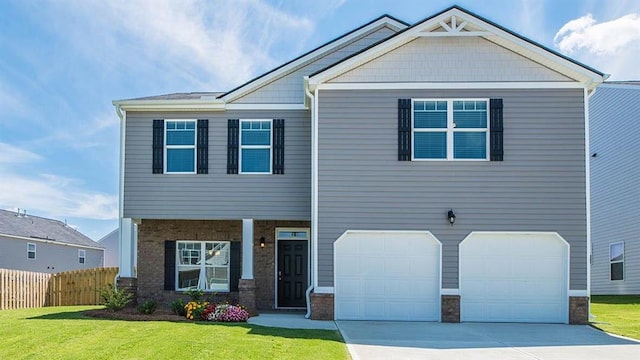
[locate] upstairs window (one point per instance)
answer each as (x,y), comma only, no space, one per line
(82,255)
(616,260)
(180,146)
(31,251)
(255,146)
(450,129)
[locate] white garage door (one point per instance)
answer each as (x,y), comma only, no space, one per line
(514,278)
(387,276)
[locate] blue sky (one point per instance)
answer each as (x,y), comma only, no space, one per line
(63,62)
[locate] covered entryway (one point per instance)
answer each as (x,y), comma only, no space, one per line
(387,275)
(514,277)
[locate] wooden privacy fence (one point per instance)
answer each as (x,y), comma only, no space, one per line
(23,289)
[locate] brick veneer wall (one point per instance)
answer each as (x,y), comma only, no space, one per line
(578,310)
(153,233)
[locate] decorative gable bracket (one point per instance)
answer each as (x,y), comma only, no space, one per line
(454,26)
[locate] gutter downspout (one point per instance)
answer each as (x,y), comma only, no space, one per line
(313,176)
(122,115)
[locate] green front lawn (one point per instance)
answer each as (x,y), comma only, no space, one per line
(617,314)
(65,333)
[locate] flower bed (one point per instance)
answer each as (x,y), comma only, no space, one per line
(224,312)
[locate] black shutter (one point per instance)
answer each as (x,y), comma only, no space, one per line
(158,146)
(496,135)
(203,147)
(233,134)
(278,146)
(404,129)
(235,265)
(169,265)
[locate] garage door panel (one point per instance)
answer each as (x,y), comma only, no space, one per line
(397,277)
(514,277)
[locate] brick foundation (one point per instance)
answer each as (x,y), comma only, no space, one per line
(450,309)
(322,306)
(579,310)
(130,285)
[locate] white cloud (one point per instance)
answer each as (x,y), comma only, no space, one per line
(10,154)
(53,195)
(611,46)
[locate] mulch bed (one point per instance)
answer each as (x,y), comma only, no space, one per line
(132,314)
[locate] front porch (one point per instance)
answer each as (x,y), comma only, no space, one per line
(263,264)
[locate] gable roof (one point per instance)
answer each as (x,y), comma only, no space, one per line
(281,70)
(445,23)
(38,228)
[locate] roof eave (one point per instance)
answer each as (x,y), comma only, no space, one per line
(168,105)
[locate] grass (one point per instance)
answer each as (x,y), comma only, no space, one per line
(617,314)
(65,333)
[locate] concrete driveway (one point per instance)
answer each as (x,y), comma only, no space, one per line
(428,340)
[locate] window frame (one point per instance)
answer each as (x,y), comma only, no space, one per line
(34,251)
(168,147)
(202,267)
(82,256)
(242,147)
(611,262)
(451,129)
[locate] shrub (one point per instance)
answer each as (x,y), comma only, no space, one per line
(195,294)
(178,307)
(148,307)
(115,299)
(194,310)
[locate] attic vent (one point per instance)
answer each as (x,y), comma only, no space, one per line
(22,214)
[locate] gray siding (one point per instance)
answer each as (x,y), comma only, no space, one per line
(540,185)
(289,89)
(217,195)
(615,194)
(50,258)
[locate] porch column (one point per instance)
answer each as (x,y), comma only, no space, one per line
(247,285)
(128,235)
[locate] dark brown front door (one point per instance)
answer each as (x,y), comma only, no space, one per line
(292,273)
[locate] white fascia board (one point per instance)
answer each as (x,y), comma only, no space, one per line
(486,29)
(450,85)
(30,239)
(266,107)
(270,77)
(170,105)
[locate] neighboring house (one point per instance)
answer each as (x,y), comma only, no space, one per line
(111,244)
(427,172)
(33,243)
(614,118)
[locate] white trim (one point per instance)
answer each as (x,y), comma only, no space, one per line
(513,43)
(546,233)
(275,272)
(449,292)
(49,241)
(180,147)
(314,188)
(452,34)
(266,107)
(259,147)
(270,77)
(587,165)
(449,85)
(324,290)
(574,293)
(451,129)
(170,105)
(247,249)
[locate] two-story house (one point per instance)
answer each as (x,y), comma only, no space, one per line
(434,171)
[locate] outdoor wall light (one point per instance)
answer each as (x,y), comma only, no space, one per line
(263,242)
(451,216)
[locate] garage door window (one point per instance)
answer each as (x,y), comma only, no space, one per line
(616,257)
